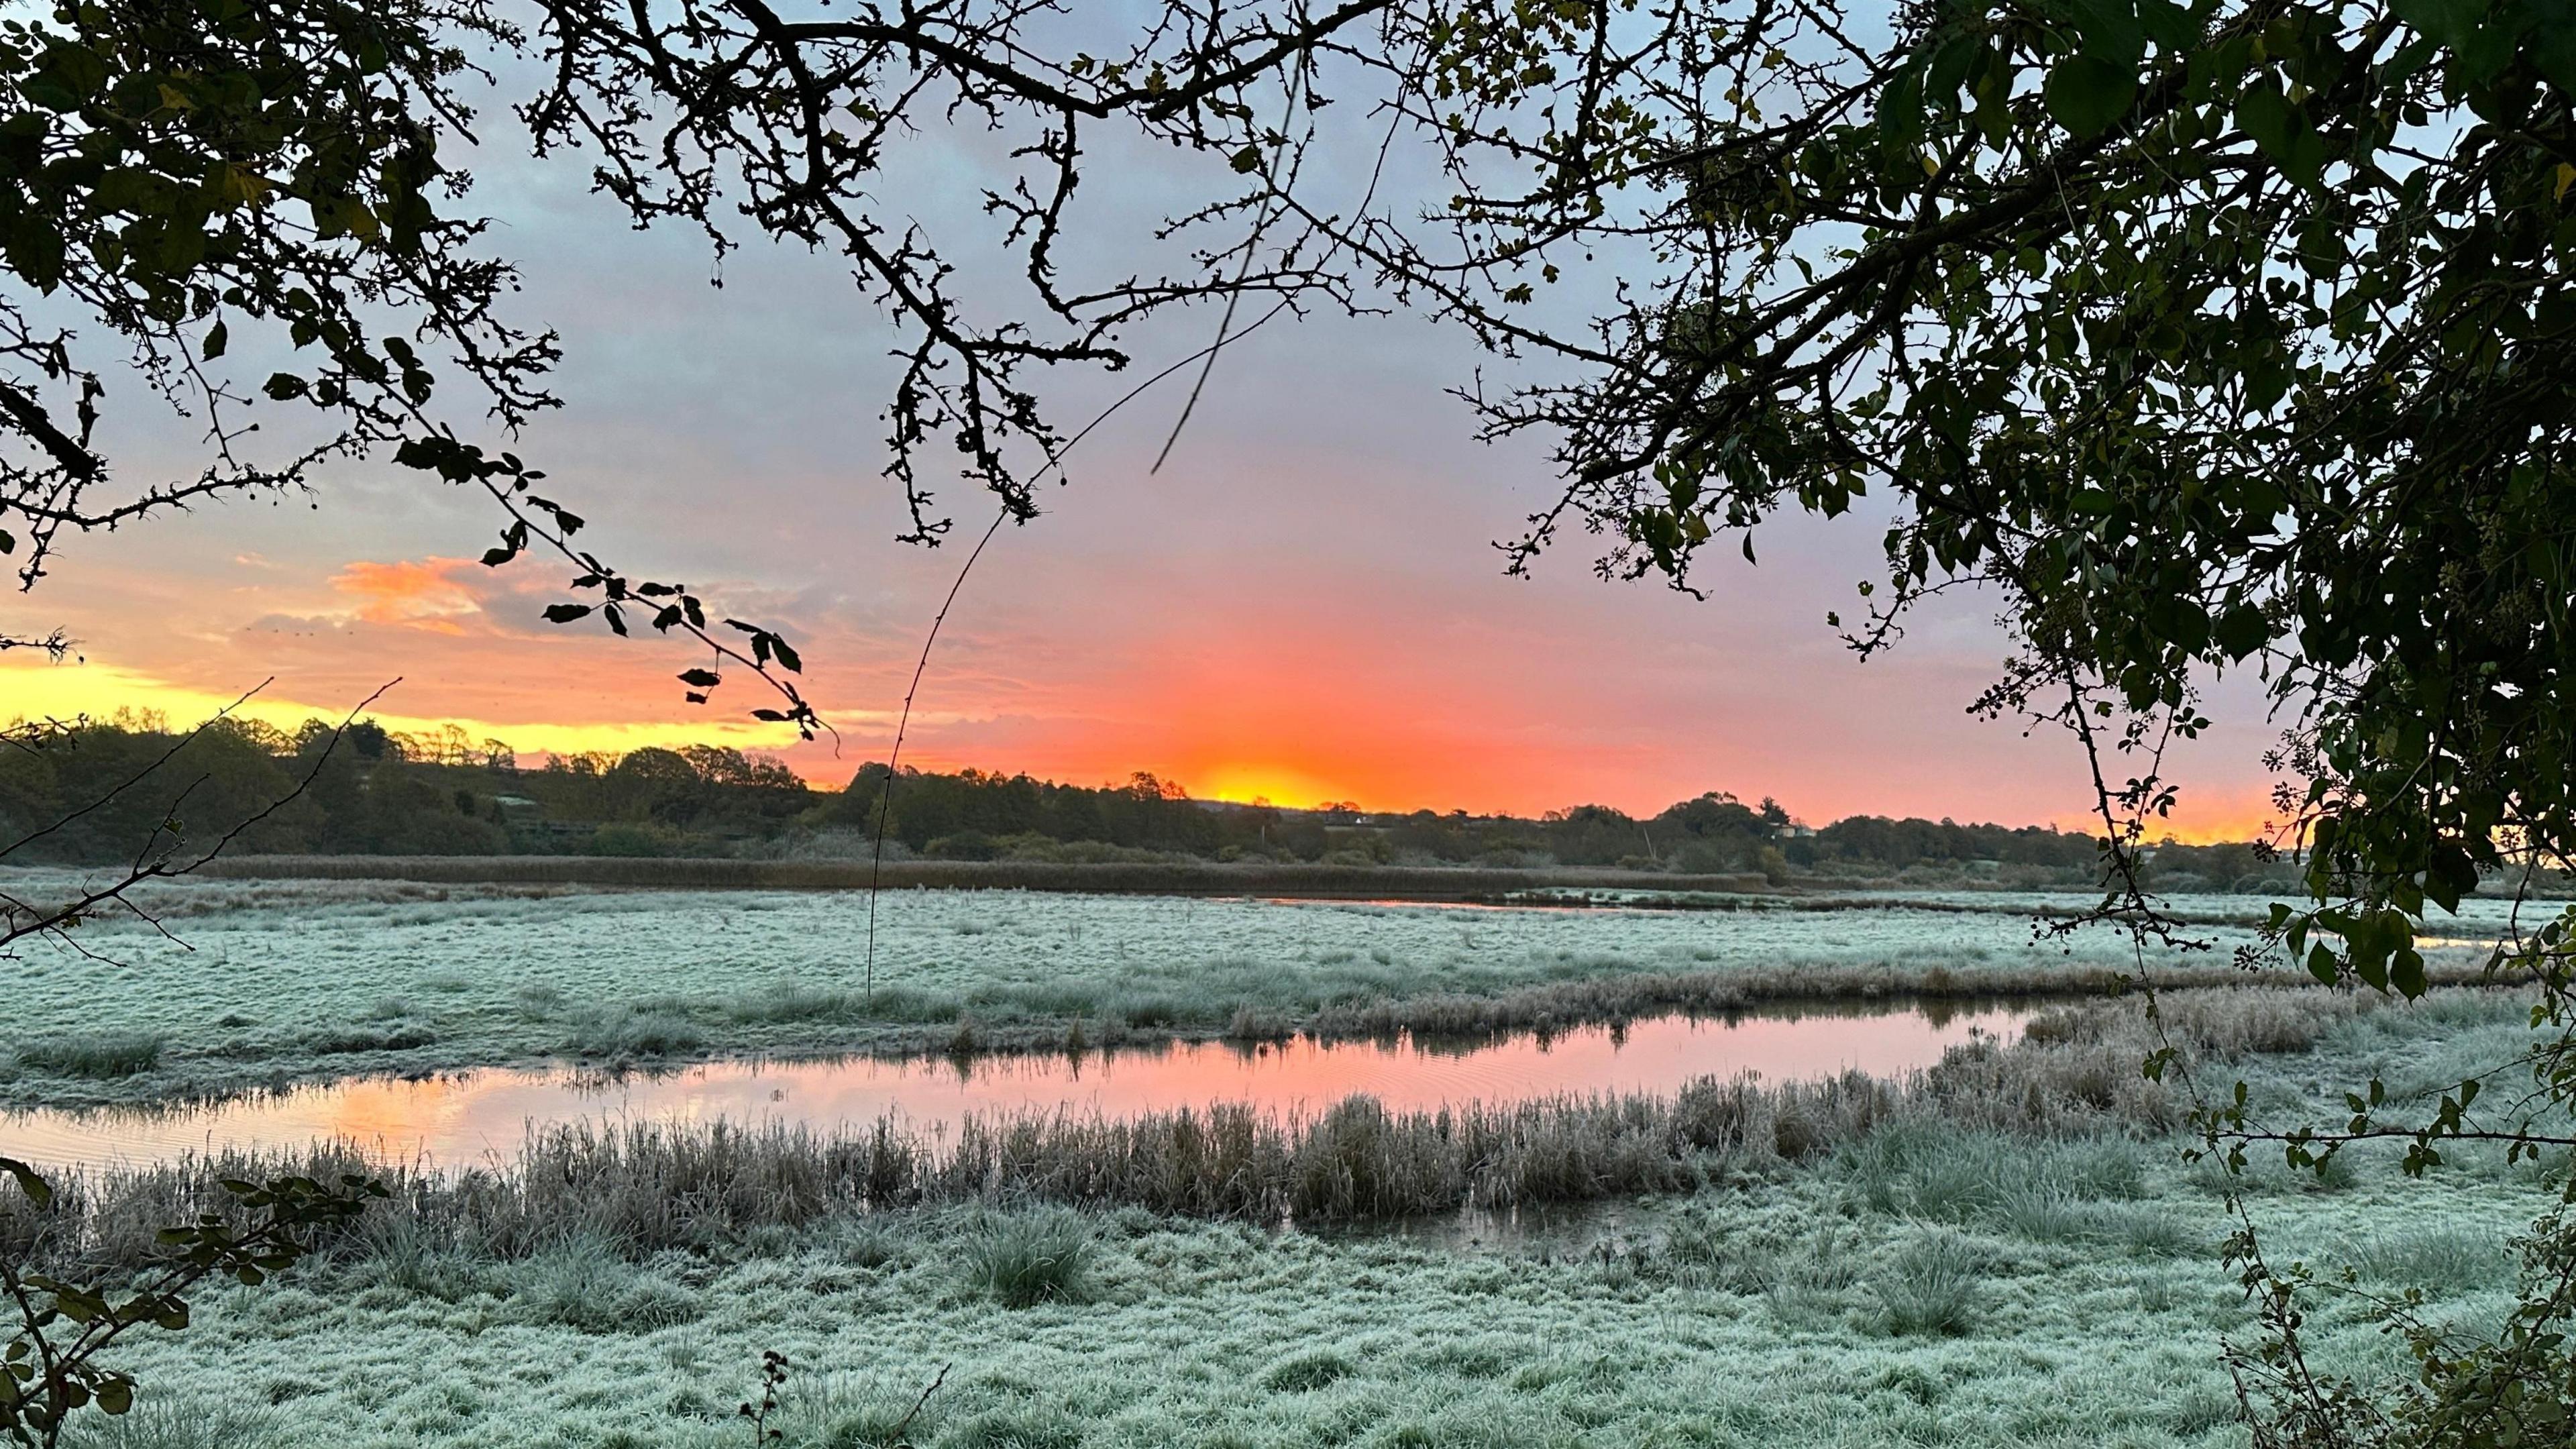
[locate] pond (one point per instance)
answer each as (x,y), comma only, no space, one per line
(483,1116)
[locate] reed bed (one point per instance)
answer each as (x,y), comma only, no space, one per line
(650,1186)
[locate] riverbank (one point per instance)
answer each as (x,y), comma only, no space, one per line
(1939,1266)
(262,984)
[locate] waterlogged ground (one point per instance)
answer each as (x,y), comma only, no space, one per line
(269,982)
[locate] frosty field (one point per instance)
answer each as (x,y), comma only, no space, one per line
(268,982)
(1930,1282)
(2005,1248)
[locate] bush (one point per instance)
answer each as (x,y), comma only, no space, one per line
(1024,1259)
(964,845)
(629,841)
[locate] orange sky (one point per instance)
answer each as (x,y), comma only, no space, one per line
(1444,712)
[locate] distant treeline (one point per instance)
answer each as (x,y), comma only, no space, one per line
(101,788)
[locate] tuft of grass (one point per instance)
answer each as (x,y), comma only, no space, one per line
(2046,1213)
(1932,1285)
(1024,1259)
(1308,1370)
(871,1245)
(630,1032)
(177,1424)
(582,1284)
(2444,1258)
(1026,1427)
(340,1041)
(2155,1233)
(396,1251)
(95,1056)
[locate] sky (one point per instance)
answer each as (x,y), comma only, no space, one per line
(1305,604)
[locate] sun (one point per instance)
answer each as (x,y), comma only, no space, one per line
(1278,784)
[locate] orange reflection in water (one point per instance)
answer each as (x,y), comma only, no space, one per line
(483,1116)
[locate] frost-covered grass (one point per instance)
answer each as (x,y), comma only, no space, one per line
(1791,1310)
(1940,1277)
(276,981)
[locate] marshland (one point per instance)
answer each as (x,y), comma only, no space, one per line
(2001,1242)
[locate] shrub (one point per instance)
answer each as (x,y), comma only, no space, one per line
(1024,1259)
(631,841)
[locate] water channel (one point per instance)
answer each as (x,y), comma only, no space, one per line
(466,1118)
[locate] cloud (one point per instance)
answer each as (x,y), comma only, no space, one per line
(424,592)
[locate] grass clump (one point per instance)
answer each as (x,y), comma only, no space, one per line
(93,1056)
(1932,1285)
(583,1284)
(2441,1258)
(1023,1259)
(1303,1373)
(629,1032)
(177,1424)
(341,1041)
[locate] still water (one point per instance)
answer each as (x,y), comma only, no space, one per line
(478,1116)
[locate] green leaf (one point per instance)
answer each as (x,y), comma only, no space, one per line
(2241,630)
(1900,113)
(217,337)
(2281,130)
(30,1182)
(2088,95)
(2169,25)
(2406,972)
(2109,32)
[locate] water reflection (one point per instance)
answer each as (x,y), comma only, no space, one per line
(481,1116)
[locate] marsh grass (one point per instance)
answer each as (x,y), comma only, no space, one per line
(1993,1135)
(93,1056)
(1932,1285)
(1022,1259)
(1307,1370)
(586,1284)
(2439,1258)
(180,1424)
(626,1032)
